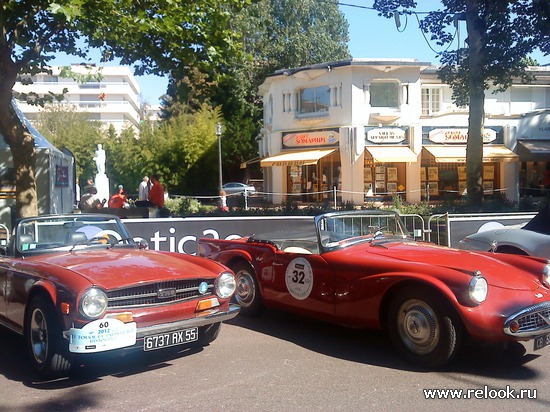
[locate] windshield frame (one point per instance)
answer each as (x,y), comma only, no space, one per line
(47,234)
(338,230)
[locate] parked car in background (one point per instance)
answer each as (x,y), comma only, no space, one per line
(78,285)
(362,269)
(531,238)
(232,188)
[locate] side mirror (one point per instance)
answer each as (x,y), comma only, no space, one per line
(141,243)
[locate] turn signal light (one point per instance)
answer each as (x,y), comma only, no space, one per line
(65,308)
(125,317)
(207,304)
(514,327)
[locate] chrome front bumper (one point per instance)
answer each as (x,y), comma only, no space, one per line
(529,322)
(205,318)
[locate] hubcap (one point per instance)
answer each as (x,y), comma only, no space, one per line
(245,289)
(39,336)
(418,327)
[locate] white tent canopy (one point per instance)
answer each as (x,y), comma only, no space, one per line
(55,176)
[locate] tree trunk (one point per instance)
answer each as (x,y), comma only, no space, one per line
(476,120)
(21,142)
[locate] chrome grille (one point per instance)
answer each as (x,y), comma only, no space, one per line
(148,294)
(534,320)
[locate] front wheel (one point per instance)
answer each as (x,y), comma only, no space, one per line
(47,350)
(247,294)
(422,327)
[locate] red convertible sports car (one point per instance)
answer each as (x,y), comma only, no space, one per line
(77,285)
(362,269)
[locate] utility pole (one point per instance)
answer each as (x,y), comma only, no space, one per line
(219,130)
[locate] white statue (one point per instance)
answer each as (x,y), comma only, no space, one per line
(99,159)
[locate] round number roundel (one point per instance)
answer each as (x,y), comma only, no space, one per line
(299,278)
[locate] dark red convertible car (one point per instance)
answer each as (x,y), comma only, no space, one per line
(78,285)
(362,269)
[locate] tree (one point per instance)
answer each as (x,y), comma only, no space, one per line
(186,151)
(275,34)
(66,128)
(155,36)
(501,34)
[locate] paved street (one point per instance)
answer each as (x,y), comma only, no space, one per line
(276,362)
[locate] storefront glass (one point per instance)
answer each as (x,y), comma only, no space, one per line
(314,182)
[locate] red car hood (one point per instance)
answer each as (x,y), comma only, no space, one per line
(497,273)
(111,268)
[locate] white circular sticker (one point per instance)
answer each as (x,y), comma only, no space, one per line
(299,278)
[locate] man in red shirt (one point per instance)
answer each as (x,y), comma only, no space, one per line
(156,193)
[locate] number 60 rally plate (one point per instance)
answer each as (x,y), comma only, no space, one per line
(164,340)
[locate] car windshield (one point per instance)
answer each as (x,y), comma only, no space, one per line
(42,234)
(338,230)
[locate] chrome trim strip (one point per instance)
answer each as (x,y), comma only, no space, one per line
(534,310)
(214,316)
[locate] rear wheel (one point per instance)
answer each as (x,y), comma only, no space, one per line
(47,350)
(247,294)
(423,328)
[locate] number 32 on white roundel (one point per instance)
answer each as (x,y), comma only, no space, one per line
(299,278)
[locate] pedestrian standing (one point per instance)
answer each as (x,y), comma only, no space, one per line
(223,201)
(156,192)
(143,191)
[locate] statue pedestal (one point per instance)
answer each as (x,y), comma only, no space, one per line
(102,185)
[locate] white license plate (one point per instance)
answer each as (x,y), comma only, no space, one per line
(164,340)
(542,341)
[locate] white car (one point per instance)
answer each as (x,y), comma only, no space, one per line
(532,238)
(236,187)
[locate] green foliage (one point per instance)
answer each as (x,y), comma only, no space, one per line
(68,129)
(186,151)
(155,36)
(275,34)
(182,206)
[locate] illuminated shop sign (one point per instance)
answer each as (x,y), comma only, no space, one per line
(459,136)
(305,139)
(386,135)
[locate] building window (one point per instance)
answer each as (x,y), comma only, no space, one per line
(314,100)
(51,79)
(268,110)
(431,100)
(384,94)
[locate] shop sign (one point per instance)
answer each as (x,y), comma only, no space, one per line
(386,135)
(305,139)
(459,136)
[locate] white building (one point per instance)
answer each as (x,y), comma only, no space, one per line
(371,128)
(114,99)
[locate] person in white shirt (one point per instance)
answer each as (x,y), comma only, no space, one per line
(144,189)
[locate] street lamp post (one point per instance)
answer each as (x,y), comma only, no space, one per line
(219,129)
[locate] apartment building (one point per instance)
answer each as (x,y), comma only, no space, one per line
(111,100)
(365,129)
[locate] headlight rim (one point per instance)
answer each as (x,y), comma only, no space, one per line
(100,295)
(473,289)
(221,284)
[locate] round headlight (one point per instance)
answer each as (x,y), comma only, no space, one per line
(545,278)
(478,289)
(93,303)
(225,285)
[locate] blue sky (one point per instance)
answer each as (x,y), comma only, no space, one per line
(371,36)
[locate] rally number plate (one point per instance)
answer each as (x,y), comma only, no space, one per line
(542,341)
(164,340)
